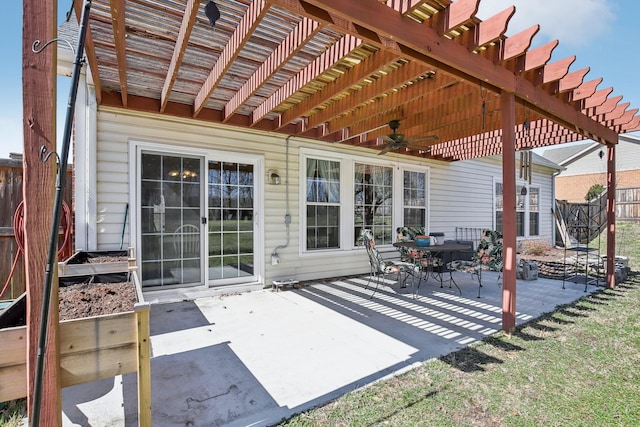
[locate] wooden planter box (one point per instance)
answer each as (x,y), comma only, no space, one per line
(83,263)
(91,348)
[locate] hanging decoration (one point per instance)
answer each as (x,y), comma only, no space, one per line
(526,156)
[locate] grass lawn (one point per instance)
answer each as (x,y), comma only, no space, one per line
(577,366)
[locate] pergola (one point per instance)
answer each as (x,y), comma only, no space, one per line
(334,71)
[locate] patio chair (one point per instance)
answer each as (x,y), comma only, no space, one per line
(427,261)
(488,257)
(381,267)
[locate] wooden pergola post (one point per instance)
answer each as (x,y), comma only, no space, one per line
(39,121)
(508,114)
(611,216)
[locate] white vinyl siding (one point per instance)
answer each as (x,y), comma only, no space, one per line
(458,193)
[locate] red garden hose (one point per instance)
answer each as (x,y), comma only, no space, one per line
(64,249)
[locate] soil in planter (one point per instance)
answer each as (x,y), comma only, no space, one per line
(93,297)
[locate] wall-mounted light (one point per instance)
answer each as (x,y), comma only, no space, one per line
(601,154)
(523,191)
(274,177)
(212,12)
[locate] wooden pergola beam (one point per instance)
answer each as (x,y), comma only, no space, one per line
(90,50)
(318,66)
(416,41)
(295,40)
(39,130)
(189,18)
(119,33)
(248,24)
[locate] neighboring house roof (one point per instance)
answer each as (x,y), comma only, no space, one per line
(566,155)
(542,161)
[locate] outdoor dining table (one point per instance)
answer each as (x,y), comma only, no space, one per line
(444,251)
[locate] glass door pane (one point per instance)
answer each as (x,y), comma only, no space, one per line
(170,217)
(231,226)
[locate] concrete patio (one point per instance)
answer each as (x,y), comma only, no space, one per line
(256,358)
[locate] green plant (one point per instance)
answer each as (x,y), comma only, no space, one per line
(594,192)
(13,412)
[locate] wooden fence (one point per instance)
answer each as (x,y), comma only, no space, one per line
(628,204)
(10,198)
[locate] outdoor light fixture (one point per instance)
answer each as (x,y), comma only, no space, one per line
(523,191)
(212,12)
(274,178)
(601,154)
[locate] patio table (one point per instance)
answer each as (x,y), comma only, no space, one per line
(443,251)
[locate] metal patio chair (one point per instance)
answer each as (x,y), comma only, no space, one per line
(381,267)
(488,257)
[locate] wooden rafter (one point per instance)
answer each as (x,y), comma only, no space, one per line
(356,74)
(118,24)
(249,22)
(414,38)
(190,14)
(304,31)
(90,51)
(324,62)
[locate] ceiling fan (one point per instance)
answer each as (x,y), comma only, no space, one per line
(397,140)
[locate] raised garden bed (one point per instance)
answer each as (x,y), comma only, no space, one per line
(103,332)
(84,263)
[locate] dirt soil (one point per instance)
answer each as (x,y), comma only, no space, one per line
(95,299)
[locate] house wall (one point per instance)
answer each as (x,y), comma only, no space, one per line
(574,182)
(573,188)
(461,193)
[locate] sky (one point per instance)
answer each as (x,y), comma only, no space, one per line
(600,33)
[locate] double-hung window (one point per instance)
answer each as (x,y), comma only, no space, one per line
(527,209)
(323,204)
(373,201)
(344,195)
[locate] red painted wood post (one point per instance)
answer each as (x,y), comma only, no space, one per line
(508,105)
(611,216)
(39,117)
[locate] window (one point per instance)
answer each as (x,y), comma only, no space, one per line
(527,209)
(373,201)
(323,204)
(342,195)
(414,199)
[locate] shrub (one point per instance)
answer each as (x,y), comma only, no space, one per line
(594,192)
(535,247)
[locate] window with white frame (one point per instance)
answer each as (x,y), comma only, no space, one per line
(527,209)
(382,197)
(414,199)
(322,204)
(373,201)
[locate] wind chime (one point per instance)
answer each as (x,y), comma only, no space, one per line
(526,156)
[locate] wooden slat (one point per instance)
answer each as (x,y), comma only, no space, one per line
(494,27)
(356,74)
(378,87)
(248,24)
(79,368)
(90,50)
(13,382)
(189,18)
(321,64)
(114,330)
(119,34)
(292,44)
(518,44)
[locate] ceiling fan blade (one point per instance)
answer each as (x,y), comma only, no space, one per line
(385,150)
(386,138)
